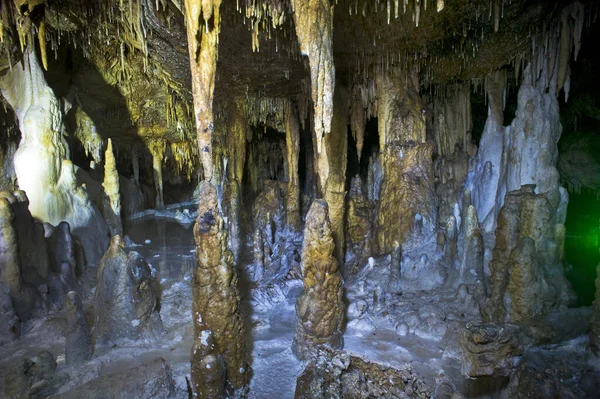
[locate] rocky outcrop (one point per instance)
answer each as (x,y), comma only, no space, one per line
(152,380)
(216,300)
(78,345)
(336,374)
(319,308)
(526,264)
(34,378)
(495,349)
(126,301)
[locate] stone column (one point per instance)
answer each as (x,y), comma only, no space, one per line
(292,143)
(407,183)
(215,299)
(157,149)
(319,308)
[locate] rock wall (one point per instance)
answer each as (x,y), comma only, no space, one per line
(595,333)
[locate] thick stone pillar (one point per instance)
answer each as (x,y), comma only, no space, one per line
(216,300)
(406,192)
(319,308)
(157,150)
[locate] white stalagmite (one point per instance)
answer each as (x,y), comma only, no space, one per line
(41,162)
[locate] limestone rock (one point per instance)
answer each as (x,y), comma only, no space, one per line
(78,346)
(215,294)
(125,301)
(319,308)
(152,380)
(336,374)
(34,378)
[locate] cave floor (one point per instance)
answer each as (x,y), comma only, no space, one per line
(416,329)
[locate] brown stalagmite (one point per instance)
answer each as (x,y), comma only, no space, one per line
(216,298)
(292,143)
(314,28)
(203,44)
(407,172)
(112,205)
(319,308)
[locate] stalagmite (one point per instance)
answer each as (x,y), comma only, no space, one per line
(319,308)
(41,162)
(314,28)
(125,301)
(531,271)
(157,149)
(78,346)
(471,269)
(112,205)
(450,250)
(292,141)
(215,297)
(595,333)
(406,166)
(359,227)
(203,44)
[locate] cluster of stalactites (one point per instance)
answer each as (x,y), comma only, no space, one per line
(363,105)
(268,17)
(261,111)
(452,121)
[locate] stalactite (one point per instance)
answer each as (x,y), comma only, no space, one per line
(358,117)
(112,205)
(203,63)
(157,150)
(314,28)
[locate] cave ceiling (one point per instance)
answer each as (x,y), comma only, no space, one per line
(126,63)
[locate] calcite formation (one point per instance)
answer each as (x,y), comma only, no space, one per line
(216,299)
(203,45)
(112,201)
(78,345)
(125,302)
(471,269)
(517,264)
(359,227)
(319,308)
(406,190)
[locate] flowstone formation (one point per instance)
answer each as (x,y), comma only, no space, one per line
(218,327)
(126,301)
(42,161)
(319,308)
